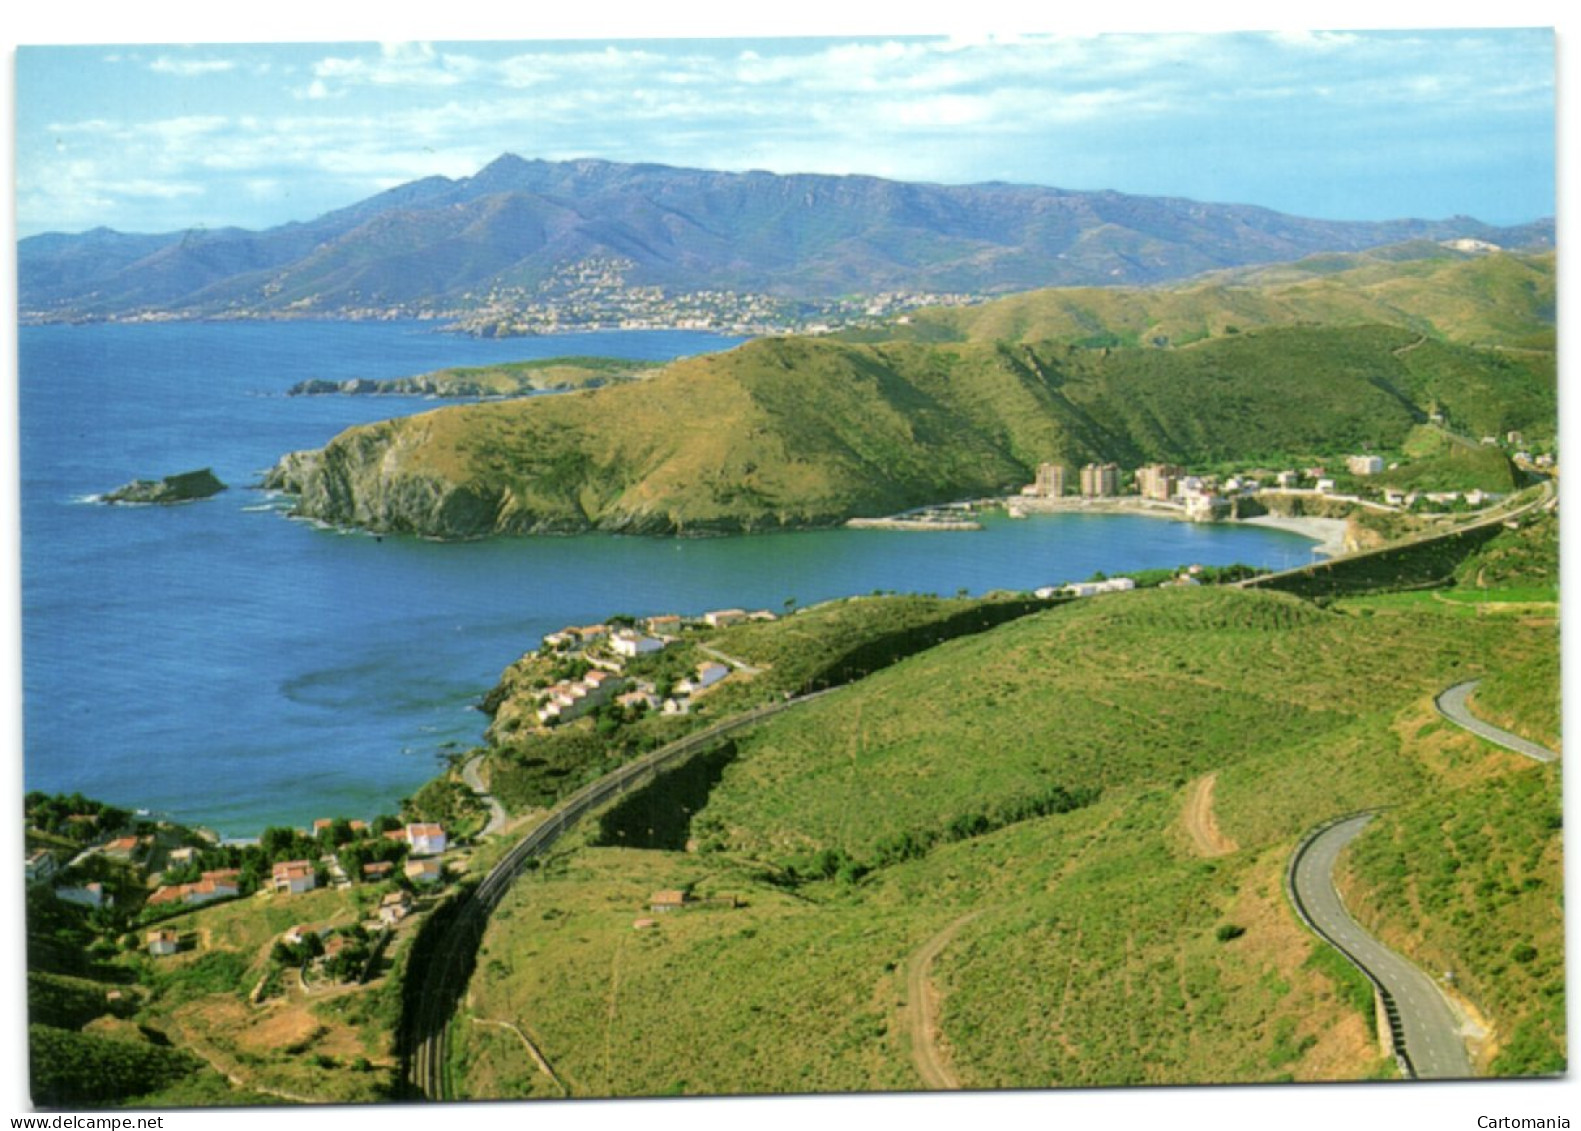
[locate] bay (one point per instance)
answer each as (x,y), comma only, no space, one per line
(226,666)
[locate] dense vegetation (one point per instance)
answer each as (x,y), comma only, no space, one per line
(81,1069)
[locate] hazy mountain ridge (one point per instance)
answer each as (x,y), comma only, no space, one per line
(434,242)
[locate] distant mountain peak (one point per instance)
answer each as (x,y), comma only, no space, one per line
(438,242)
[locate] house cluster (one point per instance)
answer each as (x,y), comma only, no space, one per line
(44,866)
(1205,498)
(1086,588)
(222,884)
(572,698)
(607,650)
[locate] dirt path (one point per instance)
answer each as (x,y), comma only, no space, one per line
(740,665)
(183,1038)
(1200,823)
(532,1050)
(922,1007)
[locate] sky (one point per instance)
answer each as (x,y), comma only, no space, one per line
(1340,125)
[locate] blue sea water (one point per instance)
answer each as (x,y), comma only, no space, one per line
(224,665)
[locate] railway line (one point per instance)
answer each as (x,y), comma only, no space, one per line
(448,968)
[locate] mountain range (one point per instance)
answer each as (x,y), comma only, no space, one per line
(446,244)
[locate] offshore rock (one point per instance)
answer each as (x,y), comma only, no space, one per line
(183,488)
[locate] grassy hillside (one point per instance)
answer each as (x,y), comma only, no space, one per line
(1456,296)
(792,432)
(829,644)
(1095,945)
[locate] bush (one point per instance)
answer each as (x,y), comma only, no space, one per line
(1229,931)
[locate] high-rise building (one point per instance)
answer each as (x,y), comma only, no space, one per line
(1157,480)
(1050,482)
(1100,480)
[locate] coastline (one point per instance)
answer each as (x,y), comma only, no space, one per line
(1329,533)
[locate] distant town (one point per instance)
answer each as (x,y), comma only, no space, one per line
(587,295)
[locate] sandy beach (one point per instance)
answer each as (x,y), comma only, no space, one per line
(1329,533)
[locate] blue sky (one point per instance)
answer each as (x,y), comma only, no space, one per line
(1366,125)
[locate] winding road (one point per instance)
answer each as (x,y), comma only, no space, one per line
(1452,705)
(469,774)
(1428,1033)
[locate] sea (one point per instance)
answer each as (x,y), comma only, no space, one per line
(223,664)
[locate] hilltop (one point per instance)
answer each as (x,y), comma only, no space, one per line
(520,229)
(1442,292)
(794,432)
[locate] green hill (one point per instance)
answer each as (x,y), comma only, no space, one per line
(797,432)
(1090,944)
(1508,298)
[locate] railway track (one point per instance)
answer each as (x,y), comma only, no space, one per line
(449,967)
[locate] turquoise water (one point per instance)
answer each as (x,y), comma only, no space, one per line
(227,666)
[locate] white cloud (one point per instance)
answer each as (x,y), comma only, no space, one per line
(1315,40)
(190,68)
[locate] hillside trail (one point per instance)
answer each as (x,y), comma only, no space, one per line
(922,1021)
(1200,823)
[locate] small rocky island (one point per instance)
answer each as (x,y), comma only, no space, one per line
(183,488)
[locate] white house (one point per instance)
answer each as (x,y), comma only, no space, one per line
(163,942)
(294,876)
(721,618)
(631,644)
(426,839)
(708,674)
(424,871)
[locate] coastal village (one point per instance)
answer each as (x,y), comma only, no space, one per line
(1170,490)
(138,875)
(604,650)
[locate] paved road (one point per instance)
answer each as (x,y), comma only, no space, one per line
(1452,705)
(1430,1028)
(469,774)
